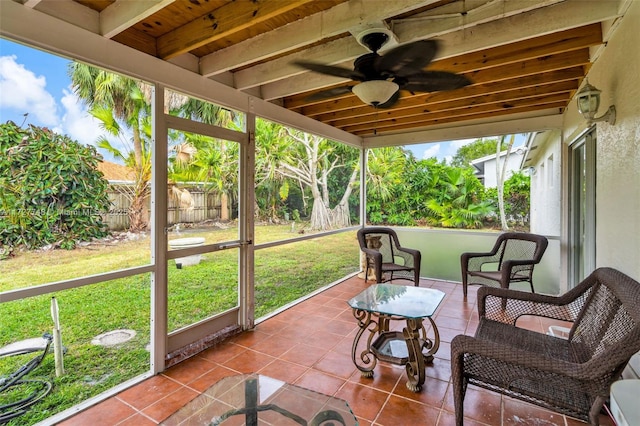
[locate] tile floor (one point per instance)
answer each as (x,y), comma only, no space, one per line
(309,345)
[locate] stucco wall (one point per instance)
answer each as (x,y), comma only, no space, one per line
(617,74)
(546,187)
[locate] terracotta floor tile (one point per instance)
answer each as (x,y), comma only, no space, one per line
(343,328)
(170,404)
(283,370)
(385,377)
(365,402)
(323,339)
(447,334)
(149,391)
(112,409)
(208,379)
(320,382)
(518,412)
(271,326)
(398,410)
(481,405)
(249,338)
(249,362)
(439,369)
(336,364)
(190,369)
(459,324)
(137,420)
(274,346)
(304,355)
(222,353)
(433,392)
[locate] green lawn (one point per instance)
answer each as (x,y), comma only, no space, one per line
(283,274)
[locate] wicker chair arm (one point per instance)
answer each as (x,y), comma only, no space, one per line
(373,253)
(462,344)
(507,305)
(474,261)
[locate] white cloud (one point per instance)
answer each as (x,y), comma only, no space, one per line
(76,122)
(25,92)
(79,125)
(431,150)
(460,143)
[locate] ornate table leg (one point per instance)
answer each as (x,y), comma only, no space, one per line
(415,363)
(431,345)
(366,360)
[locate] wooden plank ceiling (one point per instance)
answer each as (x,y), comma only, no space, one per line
(525,58)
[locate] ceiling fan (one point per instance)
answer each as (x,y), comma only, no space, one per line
(382,77)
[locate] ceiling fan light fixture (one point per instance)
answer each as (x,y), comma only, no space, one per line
(375,92)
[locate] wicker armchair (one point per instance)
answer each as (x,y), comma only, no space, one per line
(570,376)
(511,260)
(386,257)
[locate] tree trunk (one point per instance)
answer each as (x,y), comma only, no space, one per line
(500,177)
(320,215)
(341,214)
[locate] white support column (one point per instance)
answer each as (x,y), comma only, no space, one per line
(246,222)
(363,186)
(159,275)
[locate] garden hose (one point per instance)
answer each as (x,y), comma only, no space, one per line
(18,408)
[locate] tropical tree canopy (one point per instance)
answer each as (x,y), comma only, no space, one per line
(478,149)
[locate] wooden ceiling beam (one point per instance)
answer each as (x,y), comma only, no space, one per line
(465,111)
(551,44)
(457,119)
(228,19)
(123,14)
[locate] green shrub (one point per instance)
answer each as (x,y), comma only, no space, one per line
(51,191)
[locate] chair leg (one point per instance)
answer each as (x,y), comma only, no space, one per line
(531,284)
(459,388)
(464,285)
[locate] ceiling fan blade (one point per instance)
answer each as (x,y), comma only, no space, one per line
(329,93)
(391,102)
(409,58)
(331,70)
(434,81)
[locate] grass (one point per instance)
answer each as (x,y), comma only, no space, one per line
(283,274)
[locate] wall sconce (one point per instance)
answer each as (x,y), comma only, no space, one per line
(588,103)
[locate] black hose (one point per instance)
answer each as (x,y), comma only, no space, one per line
(18,408)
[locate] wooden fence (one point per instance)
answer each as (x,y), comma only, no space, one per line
(205,206)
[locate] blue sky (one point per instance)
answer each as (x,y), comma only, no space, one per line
(36,82)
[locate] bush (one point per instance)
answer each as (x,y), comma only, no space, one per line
(51,191)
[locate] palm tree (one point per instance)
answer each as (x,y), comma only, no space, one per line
(112,99)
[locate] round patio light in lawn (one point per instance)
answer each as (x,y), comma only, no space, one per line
(113,338)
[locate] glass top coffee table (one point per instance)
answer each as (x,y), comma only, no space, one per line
(252,399)
(375,308)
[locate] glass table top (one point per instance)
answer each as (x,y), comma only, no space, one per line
(398,300)
(253,399)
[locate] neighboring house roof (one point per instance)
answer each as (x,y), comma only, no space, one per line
(116,173)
